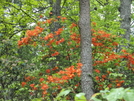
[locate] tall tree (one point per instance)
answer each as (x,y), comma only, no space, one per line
(125,14)
(56,11)
(86,51)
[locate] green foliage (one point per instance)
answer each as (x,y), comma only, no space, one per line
(61,95)
(30,62)
(80,97)
(117,94)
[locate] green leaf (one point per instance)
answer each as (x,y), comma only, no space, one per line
(80,97)
(115,94)
(94,97)
(63,93)
(129,95)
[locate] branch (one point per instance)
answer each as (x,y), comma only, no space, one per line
(23,12)
(63,4)
(100,2)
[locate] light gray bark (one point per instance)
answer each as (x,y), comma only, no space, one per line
(86,51)
(125,14)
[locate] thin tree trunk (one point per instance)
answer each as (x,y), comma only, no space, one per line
(56,11)
(125,14)
(86,51)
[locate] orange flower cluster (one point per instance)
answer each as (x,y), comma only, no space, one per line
(33,87)
(30,33)
(60,41)
(29,78)
(108,58)
(59,31)
(73,25)
(55,54)
(70,72)
(100,38)
(62,18)
(65,75)
(130,58)
(49,21)
(49,36)
(75,37)
(103,79)
(41,79)
(23,84)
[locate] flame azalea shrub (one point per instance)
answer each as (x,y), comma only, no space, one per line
(111,69)
(58,55)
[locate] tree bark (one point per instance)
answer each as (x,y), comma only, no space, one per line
(86,51)
(56,11)
(125,14)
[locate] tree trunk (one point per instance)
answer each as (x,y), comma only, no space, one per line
(86,51)
(125,14)
(56,11)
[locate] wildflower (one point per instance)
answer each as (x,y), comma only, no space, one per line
(23,84)
(48,71)
(32,85)
(73,25)
(97,78)
(44,86)
(104,76)
(55,54)
(58,32)
(41,79)
(97,71)
(94,23)
(41,16)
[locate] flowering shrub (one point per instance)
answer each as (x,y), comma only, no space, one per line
(59,53)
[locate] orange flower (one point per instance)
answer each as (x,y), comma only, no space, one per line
(115,43)
(104,76)
(50,79)
(51,35)
(26,40)
(55,54)
(58,16)
(63,18)
(41,16)
(60,41)
(110,85)
(123,50)
(44,86)
(80,64)
(59,31)
(94,23)
(44,93)
(122,81)
(49,20)
(23,84)
(97,71)
(97,78)
(32,85)
(73,25)
(34,88)
(55,68)
(118,84)
(41,79)
(48,71)
(28,78)
(20,43)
